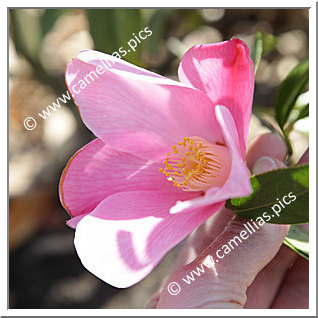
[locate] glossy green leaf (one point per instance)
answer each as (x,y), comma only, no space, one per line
(298,240)
(273,194)
(289,90)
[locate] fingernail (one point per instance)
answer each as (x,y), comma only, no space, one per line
(264,164)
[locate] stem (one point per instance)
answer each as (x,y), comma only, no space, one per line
(288,144)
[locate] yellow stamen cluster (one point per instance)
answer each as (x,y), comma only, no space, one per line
(196,165)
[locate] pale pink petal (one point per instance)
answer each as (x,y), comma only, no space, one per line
(108,61)
(238,183)
(97,171)
(136,111)
(225,72)
(128,233)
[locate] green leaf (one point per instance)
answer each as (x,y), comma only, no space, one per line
(157,23)
(111,29)
(48,19)
(298,240)
(26,33)
(289,90)
(263,44)
(269,43)
(258,50)
(269,191)
(302,112)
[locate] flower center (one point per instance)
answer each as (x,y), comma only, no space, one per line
(197,165)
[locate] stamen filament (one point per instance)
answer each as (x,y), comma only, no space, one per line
(197,165)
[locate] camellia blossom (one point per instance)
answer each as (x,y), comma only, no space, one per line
(166,157)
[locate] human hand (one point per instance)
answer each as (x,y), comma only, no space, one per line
(259,273)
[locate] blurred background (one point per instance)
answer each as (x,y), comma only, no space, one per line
(44,270)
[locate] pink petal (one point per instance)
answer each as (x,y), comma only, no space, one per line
(238,183)
(128,233)
(225,72)
(97,171)
(137,111)
(108,61)
(74,220)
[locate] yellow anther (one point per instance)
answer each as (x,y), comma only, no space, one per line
(196,165)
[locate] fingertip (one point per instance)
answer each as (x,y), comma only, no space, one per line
(265,164)
(251,254)
(269,145)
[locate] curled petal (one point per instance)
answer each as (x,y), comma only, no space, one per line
(225,72)
(238,183)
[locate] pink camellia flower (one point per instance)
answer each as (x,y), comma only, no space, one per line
(167,156)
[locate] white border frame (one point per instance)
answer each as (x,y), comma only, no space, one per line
(156,312)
